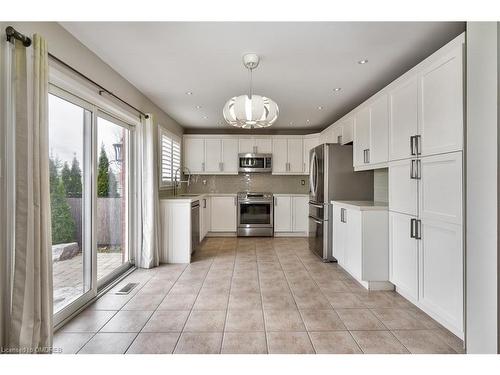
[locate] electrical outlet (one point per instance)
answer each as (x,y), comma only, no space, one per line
(302,182)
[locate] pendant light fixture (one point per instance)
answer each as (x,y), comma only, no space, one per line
(250,111)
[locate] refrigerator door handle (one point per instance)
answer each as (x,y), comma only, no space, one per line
(317,221)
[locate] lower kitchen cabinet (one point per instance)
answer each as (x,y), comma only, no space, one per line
(403,255)
(291,213)
(223,213)
(426,266)
(360,242)
(205,222)
(175,219)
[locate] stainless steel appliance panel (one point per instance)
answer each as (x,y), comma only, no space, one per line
(255,214)
(195,226)
(252,163)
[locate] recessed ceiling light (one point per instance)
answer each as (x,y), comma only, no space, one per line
(337,89)
(198,106)
(308,121)
(189,93)
(364,61)
(291,122)
(205,117)
(320,107)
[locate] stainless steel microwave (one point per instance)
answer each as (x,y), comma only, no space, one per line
(250,163)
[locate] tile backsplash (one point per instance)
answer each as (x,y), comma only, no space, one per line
(249,182)
(381,185)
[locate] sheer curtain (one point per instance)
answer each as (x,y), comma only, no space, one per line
(30,327)
(148,204)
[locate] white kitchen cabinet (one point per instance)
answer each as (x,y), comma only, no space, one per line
(361,242)
(282,213)
(211,155)
(346,129)
(229,156)
(300,213)
(361,147)
(255,145)
(204,217)
(309,143)
(339,235)
(175,220)
(291,213)
(441,273)
(213,152)
(403,250)
(440,188)
(403,188)
(379,131)
(403,118)
(441,105)
(223,213)
(194,154)
(288,155)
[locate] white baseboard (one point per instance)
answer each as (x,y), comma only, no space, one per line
(290,234)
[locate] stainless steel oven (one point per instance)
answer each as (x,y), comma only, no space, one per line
(250,163)
(255,214)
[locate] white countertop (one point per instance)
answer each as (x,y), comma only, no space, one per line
(363,205)
(193,197)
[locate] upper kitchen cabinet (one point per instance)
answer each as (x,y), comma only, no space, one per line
(310,141)
(255,145)
(288,155)
(361,147)
(211,155)
(194,154)
(346,129)
(441,105)
(403,124)
(371,134)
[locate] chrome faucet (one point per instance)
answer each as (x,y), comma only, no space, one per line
(177,183)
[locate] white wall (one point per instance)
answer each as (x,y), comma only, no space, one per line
(482,188)
(67,48)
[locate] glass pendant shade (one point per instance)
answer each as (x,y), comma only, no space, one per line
(250,112)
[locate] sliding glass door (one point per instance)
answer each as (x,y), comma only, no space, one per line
(91,158)
(70,125)
(112,205)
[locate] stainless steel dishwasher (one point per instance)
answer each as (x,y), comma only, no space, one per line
(195,225)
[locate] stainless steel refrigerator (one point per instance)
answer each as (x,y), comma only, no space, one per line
(332,177)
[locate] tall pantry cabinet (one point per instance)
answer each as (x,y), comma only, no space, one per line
(426,187)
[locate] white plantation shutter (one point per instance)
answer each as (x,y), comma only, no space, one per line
(170,157)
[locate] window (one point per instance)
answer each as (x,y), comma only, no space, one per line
(170,157)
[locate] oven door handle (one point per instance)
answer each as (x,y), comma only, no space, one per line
(250,202)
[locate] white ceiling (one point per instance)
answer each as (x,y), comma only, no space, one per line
(301,63)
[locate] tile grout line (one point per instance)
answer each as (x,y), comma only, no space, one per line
(262,300)
(228,298)
(192,306)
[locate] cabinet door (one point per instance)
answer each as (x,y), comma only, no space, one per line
(280,150)
(361,136)
(403,190)
(339,235)
(347,130)
(300,213)
(441,105)
(336,133)
(327,135)
(295,155)
(441,272)
(403,255)
(194,154)
(205,216)
(223,214)
(246,145)
(379,131)
(213,151)
(229,156)
(282,214)
(263,145)
(353,242)
(403,119)
(440,194)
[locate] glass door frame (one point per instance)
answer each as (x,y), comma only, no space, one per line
(90,171)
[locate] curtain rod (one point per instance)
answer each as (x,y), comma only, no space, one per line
(14,34)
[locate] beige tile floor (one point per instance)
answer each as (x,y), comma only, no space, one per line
(252,295)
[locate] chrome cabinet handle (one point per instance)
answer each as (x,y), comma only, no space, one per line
(419,169)
(204,203)
(418,139)
(235,201)
(203,166)
(412,169)
(418,229)
(412,228)
(412,145)
(275,201)
(339,139)
(366,155)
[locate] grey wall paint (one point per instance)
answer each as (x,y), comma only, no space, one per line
(246,182)
(381,185)
(67,48)
(482,188)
